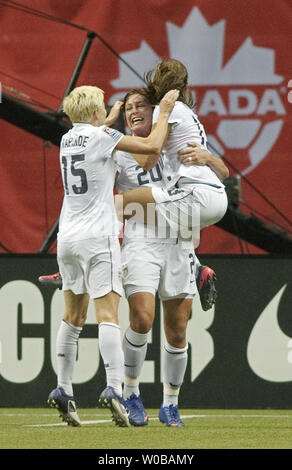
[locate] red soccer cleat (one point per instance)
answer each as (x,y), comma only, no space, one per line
(51,280)
(206,286)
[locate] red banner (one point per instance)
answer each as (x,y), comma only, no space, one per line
(238,57)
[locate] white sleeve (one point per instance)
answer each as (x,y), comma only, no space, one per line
(110,138)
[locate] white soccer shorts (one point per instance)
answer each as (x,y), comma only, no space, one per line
(91,266)
(190,207)
(166,268)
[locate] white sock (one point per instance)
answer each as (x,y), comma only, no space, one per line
(66,349)
(135,348)
(110,347)
(130,386)
(174,363)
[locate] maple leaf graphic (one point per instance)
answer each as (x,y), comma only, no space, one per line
(200,47)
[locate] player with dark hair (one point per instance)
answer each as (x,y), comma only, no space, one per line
(156,263)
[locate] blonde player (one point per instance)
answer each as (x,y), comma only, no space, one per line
(88,251)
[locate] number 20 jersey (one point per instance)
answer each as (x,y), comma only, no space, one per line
(88,167)
(132,176)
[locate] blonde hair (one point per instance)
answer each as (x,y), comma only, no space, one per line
(80,104)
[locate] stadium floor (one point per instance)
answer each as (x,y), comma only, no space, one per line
(41,428)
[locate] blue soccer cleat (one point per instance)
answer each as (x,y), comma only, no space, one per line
(110,399)
(66,405)
(137,414)
(169,415)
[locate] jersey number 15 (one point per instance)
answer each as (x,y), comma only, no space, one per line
(82,187)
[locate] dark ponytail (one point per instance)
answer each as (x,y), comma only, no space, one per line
(169,74)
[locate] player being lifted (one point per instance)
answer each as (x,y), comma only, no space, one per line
(192,198)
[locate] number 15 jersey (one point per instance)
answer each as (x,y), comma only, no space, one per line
(88,167)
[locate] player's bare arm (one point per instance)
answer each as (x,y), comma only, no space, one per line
(196,155)
(150,161)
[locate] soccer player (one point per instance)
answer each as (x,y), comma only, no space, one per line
(88,250)
(153,262)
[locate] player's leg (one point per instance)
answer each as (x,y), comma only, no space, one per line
(134,202)
(69,331)
(102,277)
(142,196)
(174,357)
(174,208)
(68,336)
(187,207)
(208,205)
(176,290)
(109,339)
(213,205)
(142,312)
(141,261)
(111,352)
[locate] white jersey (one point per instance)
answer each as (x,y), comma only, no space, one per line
(88,171)
(132,176)
(185,128)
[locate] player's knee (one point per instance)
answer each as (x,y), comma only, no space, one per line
(75,318)
(108,316)
(176,336)
(141,320)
